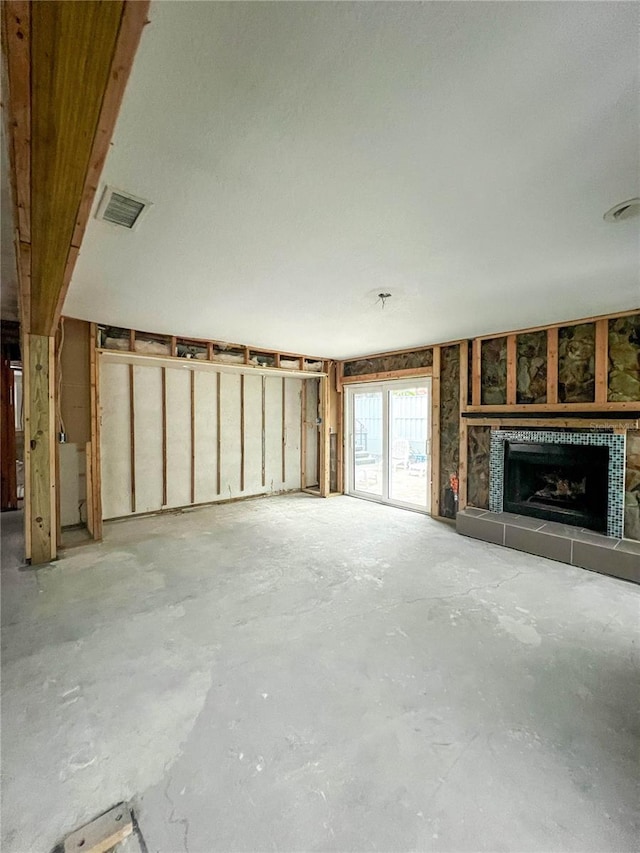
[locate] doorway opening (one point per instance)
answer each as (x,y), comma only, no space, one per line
(389,441)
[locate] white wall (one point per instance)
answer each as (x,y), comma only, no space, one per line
(252,423)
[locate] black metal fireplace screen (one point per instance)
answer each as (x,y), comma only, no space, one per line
(557,482)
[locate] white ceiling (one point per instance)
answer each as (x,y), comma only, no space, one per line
(303,157)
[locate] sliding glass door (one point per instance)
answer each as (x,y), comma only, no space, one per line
(388,436)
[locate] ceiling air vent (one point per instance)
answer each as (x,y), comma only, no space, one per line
(121,208)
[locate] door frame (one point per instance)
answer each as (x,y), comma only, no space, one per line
(385,387)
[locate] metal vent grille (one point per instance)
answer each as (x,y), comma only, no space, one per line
(121,209)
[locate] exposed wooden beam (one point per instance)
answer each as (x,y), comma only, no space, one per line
(552,366)
(533,408)
(512,343)
(40,448)
(552,422)
(405,373)
(476,372)
(601,360)
(67,68)
(16,36)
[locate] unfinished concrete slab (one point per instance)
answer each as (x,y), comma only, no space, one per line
(298,674)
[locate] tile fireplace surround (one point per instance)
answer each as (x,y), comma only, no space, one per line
(609,554)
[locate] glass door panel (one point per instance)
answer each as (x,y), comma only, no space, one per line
(389,427)
(367,442)
(408,446)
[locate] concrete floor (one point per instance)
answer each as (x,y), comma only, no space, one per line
(299,674)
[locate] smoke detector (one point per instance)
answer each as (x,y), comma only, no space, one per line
(121,208)
(624,210)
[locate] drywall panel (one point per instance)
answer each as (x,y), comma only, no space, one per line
(147,431)
(311,446)
(230,456)
(292,410)
(115,440)
(178,404)
(273,443)
(253,435)
(205,446)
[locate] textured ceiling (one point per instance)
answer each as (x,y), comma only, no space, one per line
(303,157)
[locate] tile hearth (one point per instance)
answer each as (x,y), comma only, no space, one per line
(583,548)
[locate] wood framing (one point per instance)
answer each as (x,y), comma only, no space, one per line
(40,448)
(559,325)
(192,379)
(8,438)
(96,422)
(88,448)
(165,500)
(601,361)
(340,431)
(463,449)
(533,408)
(303,435)
(552,366)
(132,433)
(16,36)
(511,369)
(284,431)
(263,432)
(435,434)
(218,435)
(59,139)
(476,372)
(242,431)
(407,373)
(525,423)
(324,467)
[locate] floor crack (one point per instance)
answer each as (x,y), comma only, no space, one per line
(183,821)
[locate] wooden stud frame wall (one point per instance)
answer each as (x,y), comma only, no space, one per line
(252,427)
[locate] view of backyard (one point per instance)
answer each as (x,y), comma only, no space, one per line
(408,421)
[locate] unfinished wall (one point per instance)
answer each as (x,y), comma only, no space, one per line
(449,426)
(386,363)
(624,359)
(73,418)
(576,363)
(174,437)
(632,486)
(479,445)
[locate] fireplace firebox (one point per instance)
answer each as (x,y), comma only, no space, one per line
(557,482)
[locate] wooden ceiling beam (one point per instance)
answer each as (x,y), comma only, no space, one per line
(67,67)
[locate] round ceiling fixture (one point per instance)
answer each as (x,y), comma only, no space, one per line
(624,210)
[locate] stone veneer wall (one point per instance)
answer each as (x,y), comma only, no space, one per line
(576,363)
(449,425)
(632,486)
(531,373)
(493,367)
(624,359)
(384,363)
(479,448)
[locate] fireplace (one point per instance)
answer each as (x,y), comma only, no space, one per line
(576,485)
(557,482)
